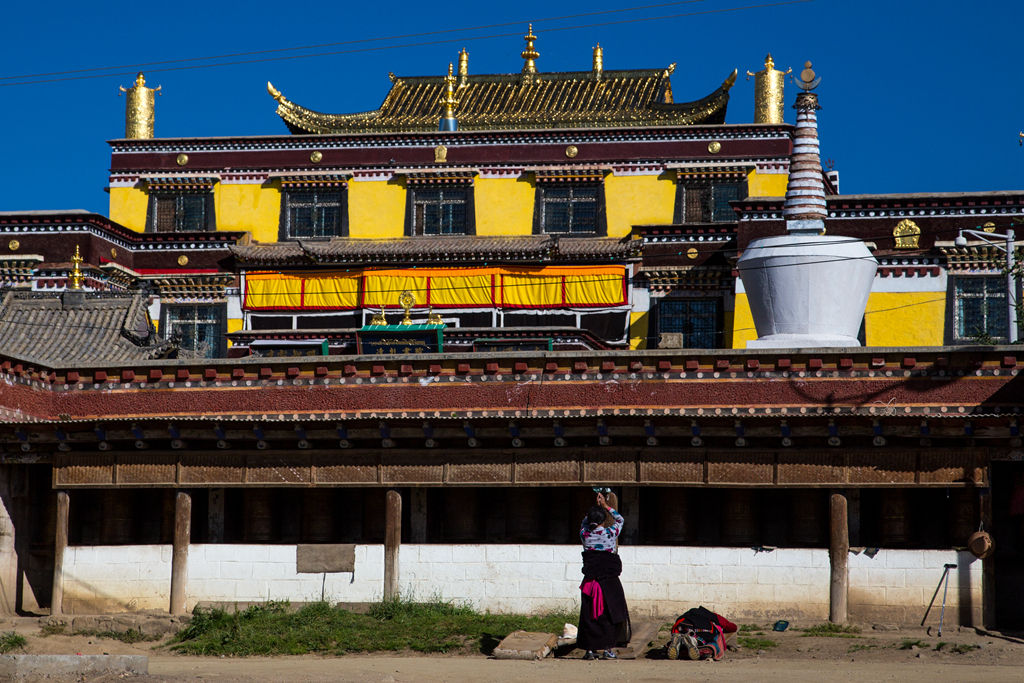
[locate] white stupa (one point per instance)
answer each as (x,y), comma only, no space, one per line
(806,289)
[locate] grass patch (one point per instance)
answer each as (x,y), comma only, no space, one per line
(939,645)
(11,641)
(963,648)
(394,625)
(756,643)
(911,644)
(753,629)
(830,630)
(860,647)
(52,629)
(130,636)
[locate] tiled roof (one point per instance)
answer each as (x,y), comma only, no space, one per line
(437,249)
(79,328)
(507,101)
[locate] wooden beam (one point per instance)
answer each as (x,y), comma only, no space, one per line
(392,542)
(179,554)
(838,557)
(60,544)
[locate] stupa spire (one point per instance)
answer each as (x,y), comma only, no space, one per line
(805,210)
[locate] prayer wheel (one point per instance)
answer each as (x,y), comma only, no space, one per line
(318,509)
(525,520)
(963,514)
(739,520)
(808,518)
(116,517)
(461,514)
(258,506)
(674,522)
(895,526)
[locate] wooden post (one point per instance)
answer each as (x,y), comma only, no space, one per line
(392,542)
(59,545)
(179,554)
(838,556)
(418,515)
(988,565)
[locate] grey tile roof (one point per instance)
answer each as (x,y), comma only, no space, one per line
(60,330)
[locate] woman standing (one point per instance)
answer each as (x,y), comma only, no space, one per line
(603,611)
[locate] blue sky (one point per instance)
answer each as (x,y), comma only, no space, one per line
(917,96)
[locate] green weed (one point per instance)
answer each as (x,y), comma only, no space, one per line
(830,630)
(910,644)
(860,647)
(756,643)
(130,636)
(11,641)
(52,629)
(963,648)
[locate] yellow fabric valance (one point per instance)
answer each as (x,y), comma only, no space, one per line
(510,287)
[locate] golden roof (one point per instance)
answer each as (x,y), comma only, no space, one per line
(576,99)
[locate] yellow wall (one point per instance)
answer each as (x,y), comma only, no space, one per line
(905,319)
(504,206)
(637,200)
(639,324)
(767,184)
(255,208)
(742,322)
(128,207)
(376,209)
(234,325)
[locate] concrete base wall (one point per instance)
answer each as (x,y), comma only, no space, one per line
(892,587)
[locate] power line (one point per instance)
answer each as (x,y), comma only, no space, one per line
(408,45)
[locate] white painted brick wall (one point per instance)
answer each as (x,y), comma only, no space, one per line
(893,586)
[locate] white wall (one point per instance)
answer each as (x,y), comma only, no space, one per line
(792,584)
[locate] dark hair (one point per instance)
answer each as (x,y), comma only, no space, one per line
(595,516)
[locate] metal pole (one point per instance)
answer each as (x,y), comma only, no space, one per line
(1011,290)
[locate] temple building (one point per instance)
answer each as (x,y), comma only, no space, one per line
(453,315)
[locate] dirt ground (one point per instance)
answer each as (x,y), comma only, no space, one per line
(909,654)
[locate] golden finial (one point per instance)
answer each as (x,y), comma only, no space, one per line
(463,67)
(808,79)
(76,271)
(769,98)
(598,62)
(1021,141)
(379,319)
(530,55)
(448,100)
(434,318)
(140,109)
(275,93)
(406,300)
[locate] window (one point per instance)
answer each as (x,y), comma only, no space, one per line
(315,213)
(180,212)
(201,327)
(980,309)
(698,320)
(440,211)
(705,202)
(571,209)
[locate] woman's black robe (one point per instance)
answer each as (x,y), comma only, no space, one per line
(612,627)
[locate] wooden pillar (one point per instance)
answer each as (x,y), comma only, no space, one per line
(179,553)
(838,557)
(392,542)
(59,546)
(988,565)
(418,515)
(215,528)
(9,574)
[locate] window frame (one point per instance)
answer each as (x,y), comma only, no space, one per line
(706,190)
(159,198)
(414,195)
(540,213)
(956,314)
(717,316)
(220,332)
(288,204)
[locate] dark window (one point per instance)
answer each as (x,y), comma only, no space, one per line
(313,214)
(440,211)
(571,210)
(980,311)
(191,212)
(698,320)
(704,202)
(271,322)
(201,327)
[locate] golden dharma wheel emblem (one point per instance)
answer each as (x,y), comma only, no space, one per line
(14,245)
(906,234)
(182,159)
(691,253)
(316,157)
(440,154)
(113,253)
(183,260)
(714,146)
(989,227)
(571,151)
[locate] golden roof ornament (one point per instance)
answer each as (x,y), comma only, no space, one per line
(530,55)
(808,79)
(598,62)
(379,319)
(434,318)
(463,67)
(140,109)
(449,102)
(769,96)
(406,300)
(76,271)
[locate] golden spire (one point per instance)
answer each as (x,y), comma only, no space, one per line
(448,100)
(769,84)
(76,272)
(598,62)
(406,300)
(463,67)
(140,109)
(530,55)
